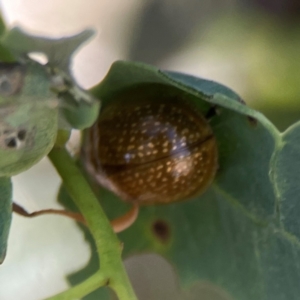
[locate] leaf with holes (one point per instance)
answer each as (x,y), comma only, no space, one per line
(28,116)
(5,213)
(77,106)
(242,235)
(36,100)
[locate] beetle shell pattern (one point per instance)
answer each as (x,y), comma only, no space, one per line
(151,151)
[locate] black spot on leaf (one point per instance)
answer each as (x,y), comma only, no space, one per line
(11,143)
(252,121)
(161,230)
(22,134)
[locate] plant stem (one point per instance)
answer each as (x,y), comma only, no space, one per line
(82,289)
(107,243)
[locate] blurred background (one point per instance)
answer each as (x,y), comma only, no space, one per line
(252,46)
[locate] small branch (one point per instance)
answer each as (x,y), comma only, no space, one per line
(119,224)
(77,292)
(107,243)
(21,211)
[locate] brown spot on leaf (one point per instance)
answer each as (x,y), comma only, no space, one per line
(161,230)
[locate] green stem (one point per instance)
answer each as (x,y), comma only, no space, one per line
(107,243)
(82,289)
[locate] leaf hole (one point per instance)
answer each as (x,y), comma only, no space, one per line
(39,57)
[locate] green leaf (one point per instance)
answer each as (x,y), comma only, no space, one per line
(28,99)
(5,213)
(123,75)
(284,174)
(5,54)
(79,114)
(243,234)
(28,116)
(58,51)
(77,106)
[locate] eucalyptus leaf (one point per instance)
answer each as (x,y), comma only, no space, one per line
(5,213)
